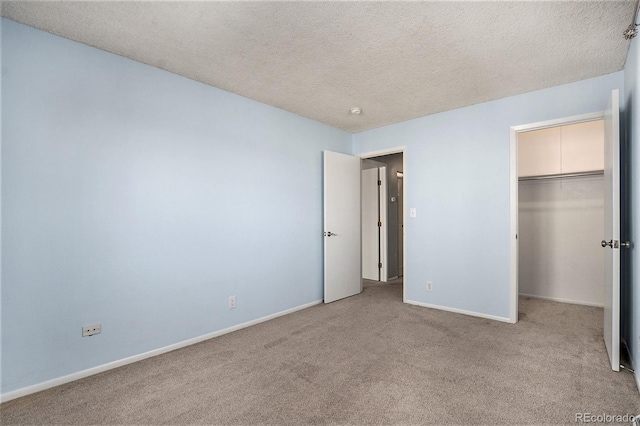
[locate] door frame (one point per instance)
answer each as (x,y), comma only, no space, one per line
(396,150)
(513,195)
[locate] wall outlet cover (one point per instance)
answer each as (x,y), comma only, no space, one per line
(90,330)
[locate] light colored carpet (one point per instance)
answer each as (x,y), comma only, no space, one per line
(368,359)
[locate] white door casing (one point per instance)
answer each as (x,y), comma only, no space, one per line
(342,230)
(612,230)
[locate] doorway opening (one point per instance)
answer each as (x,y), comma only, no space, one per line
(561,213)
(383,218)
(610,226)
(544,152)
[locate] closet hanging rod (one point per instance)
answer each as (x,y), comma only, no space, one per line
(562,175)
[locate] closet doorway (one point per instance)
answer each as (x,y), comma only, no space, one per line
(611,242)
(561,213)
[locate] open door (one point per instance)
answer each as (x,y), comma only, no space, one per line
(342,255)
(611,243)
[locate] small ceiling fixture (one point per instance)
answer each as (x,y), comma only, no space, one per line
(356,110)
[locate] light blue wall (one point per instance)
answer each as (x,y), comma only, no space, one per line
(457,177)
(141,200)
(632,120)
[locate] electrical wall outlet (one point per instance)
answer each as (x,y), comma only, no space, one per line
(232,302)
(429,285)
(90,330)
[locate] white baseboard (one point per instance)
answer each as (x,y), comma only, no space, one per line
(561,300)
(8,396)
(458,311)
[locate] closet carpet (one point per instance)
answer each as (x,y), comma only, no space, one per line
(368,359)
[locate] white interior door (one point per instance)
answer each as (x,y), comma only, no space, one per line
(342,254)
(384,225)
(612,230)
(370,228)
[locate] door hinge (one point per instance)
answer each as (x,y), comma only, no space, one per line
(379,182)
(379,265)
(379,224)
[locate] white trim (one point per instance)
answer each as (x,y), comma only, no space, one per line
(8,396)
(379,153)
(561,300)
(513,226)
(397,150)
(404,223)
(459,311)
(574,119)
(513,195)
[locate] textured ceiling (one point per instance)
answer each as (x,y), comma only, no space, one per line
(396,60)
